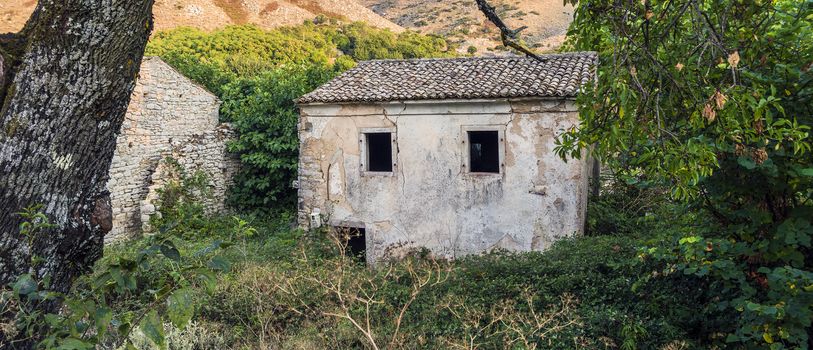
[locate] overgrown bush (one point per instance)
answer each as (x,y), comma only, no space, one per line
(583,293)
(629,205)
(195,336)
(263,111)
(286,288)
(137,290)
(182,196)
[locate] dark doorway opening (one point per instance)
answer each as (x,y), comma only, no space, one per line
(355,241)
(484,152)
(379,152)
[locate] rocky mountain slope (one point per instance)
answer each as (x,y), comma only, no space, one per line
(458,20)
(462,22)
(212,14)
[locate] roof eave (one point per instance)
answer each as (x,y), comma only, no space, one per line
(438,101)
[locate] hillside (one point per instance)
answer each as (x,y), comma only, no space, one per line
(462,23)
(458,20)
(212,14)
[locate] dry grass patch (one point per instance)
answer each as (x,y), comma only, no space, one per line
(314,7)
(270,8)
(234,9)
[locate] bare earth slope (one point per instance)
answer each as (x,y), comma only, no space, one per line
(212,14)
(462,22)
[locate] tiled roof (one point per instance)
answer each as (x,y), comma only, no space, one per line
(560,75)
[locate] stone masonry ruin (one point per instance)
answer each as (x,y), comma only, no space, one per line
(168,116)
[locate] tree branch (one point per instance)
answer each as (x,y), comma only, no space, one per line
(510,37)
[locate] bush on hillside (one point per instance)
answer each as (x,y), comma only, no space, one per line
(215,58)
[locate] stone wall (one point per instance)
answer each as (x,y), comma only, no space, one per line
(169,116)
(430,200)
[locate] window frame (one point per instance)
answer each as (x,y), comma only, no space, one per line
(364,158)
(466,160)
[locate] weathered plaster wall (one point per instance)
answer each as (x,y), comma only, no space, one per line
(168,116)
(430,200)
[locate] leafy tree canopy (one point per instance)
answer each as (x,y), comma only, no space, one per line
(712,98)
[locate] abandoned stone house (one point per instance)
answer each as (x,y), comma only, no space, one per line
(453,155)
(168,116)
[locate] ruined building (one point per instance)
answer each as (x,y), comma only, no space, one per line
(168,116)
(453,155)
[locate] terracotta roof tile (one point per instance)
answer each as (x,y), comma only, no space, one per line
(560,75)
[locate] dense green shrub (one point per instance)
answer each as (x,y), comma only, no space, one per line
(286,288)
(590,292)
(629,204)
(216,58)
(137,290)
(263,111)
(612,288)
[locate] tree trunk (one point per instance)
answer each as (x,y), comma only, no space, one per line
(66,92)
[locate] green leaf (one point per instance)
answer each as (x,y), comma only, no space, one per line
(767,337)
(207,279)
(220,264)
(806,172)
(747,163)
(101,280)
(75,344)
(153,328)
(103,317)
(180,307)
(25,285)
(130,282)
(124,327)
(171,252)
(631,180)
(753,306)
(218,244)
(115,273)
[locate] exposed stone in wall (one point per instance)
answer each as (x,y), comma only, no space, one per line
(168,116)
(430,200)
(206,153)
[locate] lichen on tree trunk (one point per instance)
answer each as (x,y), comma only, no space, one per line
(65,99)
(2,72)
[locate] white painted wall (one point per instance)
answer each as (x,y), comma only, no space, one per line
(430,200)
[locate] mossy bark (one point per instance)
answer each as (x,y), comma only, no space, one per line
(68,79)
(11,46)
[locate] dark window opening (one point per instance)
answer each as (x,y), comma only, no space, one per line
(484,152)
(355,242)
(379,152)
